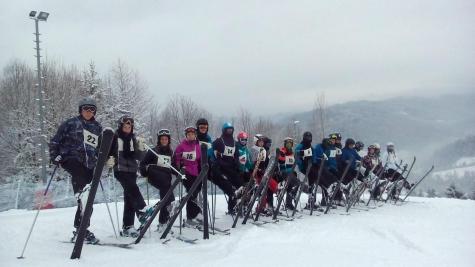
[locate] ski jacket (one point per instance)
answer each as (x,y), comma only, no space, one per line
(303,153)
(188,155)
(77,139)
(255,151)
(245,164)
(157,166)
(226,152)
(125,163)
(347,155)
(286,160)
(391,159)
(206,139)
(330,153)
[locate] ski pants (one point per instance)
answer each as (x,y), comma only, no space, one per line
(226,185)
(162,182)
(133,199)
(80,177)
(392,175)
(192,207)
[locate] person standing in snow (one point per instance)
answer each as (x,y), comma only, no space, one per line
(226,165)
(125,153)
(326,150)
(75,147)
(392,163)
(204,138)
(188,157)
(286,165)
(156,167)
(245,164)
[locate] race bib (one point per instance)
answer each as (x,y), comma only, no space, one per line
(190,156)
(242,159)
(338,151)
(229,151)
(307,152)
(289,160)
(206,143)
(332,154)
(90,139)
(164,161)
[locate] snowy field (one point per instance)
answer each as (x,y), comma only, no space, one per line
(422,232)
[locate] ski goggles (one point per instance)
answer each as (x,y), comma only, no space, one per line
(203,127)
(163,132)
(190,130)
(127,120)
(89,108)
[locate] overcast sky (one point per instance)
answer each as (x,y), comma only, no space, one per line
(268,56)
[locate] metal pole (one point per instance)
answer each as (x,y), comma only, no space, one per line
(37,212)
(41,107)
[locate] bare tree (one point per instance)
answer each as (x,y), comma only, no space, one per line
(180,112)
(319,115)
(244,120)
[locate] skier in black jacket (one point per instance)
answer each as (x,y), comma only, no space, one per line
(226,164)
(159,173)
(75,148)
(125,153)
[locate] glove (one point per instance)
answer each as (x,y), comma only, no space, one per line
(140,143)
(110,162)
(57,160)
(325,156)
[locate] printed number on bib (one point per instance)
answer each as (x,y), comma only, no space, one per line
(332,153)
(242,159)
(191,156)
(289,160)
(90,138)
(307,152)
(229,151)
(163,161)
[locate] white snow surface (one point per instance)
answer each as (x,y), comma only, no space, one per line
(422,232)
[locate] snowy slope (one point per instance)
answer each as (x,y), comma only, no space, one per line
(422,232)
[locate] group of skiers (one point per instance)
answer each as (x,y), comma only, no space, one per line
(232,165)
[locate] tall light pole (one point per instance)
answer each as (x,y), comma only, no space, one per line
(295,130)
(42,16)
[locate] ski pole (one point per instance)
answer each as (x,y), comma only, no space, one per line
(180,190)
(108,210)
(183,177)
(115,196)
(37,212)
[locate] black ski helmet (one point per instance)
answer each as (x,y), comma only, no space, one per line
(201,121)
(359,145)
(307,137)
(349,141)
(87,101)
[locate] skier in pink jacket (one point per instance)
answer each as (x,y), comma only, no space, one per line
(188,157)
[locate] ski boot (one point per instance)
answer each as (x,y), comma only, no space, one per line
(89,238)
(145,213)
(129,231)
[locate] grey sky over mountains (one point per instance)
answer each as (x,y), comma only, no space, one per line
(268,56)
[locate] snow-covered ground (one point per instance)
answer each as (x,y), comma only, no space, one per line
(422,232)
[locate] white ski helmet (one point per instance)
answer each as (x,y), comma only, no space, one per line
(377,146)
(390,144)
